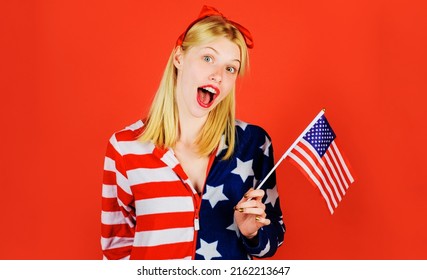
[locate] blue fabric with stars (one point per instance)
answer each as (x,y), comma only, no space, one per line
(227,182)
(320,136)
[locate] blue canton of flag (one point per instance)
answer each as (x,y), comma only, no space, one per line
(320,136)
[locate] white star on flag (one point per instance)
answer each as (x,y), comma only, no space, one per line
(243,169)
(214,194)
(272,196)
(208,250)
(266,146)
(243,125)
(263,252)
(234,227)
(255,182)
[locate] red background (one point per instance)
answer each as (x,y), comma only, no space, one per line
(74,72)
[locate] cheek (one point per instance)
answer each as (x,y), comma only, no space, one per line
(186,81)
(224,94)
(228,85)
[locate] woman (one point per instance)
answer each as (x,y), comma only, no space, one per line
(182,184)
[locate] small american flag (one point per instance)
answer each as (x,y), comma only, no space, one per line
(317,155)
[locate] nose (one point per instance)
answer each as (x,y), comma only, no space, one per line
(216,75)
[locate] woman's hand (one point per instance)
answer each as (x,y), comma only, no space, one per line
(250,213)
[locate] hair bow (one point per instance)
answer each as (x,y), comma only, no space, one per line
(208,11)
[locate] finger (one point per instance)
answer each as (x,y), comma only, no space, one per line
(249,210)
(247,193)
(263,221)
(253,211)
(247,204)
(251,194)
(251,204)
(246,196)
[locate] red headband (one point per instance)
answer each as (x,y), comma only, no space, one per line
(211,11)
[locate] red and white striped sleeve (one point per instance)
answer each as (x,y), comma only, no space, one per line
(118,206)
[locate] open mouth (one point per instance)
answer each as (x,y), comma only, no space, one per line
(206,95)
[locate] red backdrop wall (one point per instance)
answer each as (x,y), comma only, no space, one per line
(74,72)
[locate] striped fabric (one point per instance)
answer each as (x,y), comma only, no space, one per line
(151,211)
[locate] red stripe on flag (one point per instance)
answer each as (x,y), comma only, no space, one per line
(304,166)
(164,252)
(329,174)
(327,178)
(344,163)
(316,166)
(334,173)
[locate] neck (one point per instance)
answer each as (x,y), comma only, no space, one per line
(189,129)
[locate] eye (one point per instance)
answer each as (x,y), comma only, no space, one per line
(232,70)
(207,58)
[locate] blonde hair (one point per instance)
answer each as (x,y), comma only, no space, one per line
(161,126)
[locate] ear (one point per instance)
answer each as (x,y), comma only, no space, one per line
(178,57)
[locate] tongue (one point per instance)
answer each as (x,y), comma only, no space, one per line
(204,96)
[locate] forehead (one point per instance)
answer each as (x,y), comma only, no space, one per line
(221,46)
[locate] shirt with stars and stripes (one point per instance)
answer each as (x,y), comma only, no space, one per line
(150,210)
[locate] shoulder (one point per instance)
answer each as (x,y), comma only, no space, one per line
(126,140)
(251,132)
(252,139)
(130,132)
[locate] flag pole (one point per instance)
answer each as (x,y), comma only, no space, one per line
(291,147)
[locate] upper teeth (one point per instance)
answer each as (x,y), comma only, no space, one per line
(211,90)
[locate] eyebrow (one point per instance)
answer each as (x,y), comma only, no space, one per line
(218,54)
